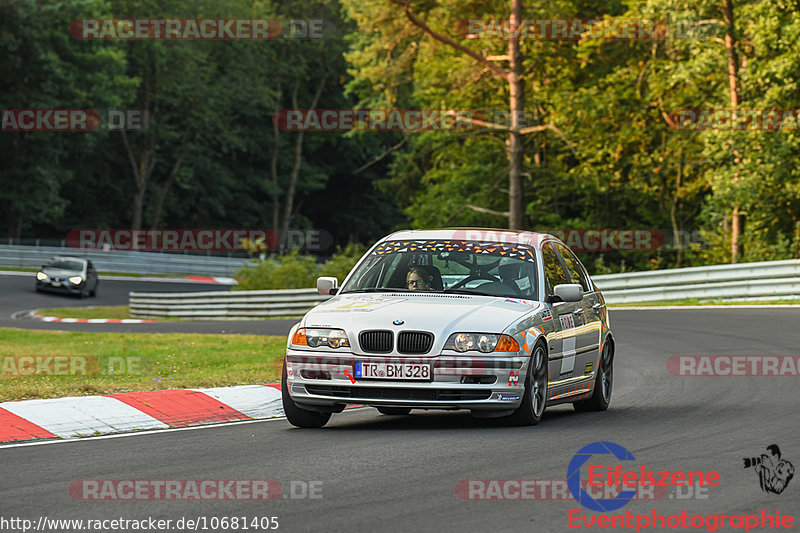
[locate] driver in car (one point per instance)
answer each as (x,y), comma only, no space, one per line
(418,279)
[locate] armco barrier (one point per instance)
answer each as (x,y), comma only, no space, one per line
(747,280)
(779,279)
(214,305)
(124,261)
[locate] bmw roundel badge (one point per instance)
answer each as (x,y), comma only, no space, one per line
(398,322)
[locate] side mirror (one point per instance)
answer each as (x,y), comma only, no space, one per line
(568,292)
(327,285)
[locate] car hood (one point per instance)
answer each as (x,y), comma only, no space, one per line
(61,273)
(441,314)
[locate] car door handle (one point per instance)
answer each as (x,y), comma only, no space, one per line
(578,311)
(597,305)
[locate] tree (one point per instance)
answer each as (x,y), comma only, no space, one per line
(513,76)
(44,68)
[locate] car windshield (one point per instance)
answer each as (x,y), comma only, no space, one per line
(65,265)
(483,268)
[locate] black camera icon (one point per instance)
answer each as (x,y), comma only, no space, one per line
(751,462)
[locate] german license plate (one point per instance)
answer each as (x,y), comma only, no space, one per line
(399,370)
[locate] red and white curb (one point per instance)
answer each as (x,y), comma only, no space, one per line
(220,281)
(84,416)
(91,320)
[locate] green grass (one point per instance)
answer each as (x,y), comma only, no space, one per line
(127,362)
(112,311)
(695,301)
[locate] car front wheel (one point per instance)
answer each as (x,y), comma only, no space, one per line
(603,383)
(296,416)
(531,410)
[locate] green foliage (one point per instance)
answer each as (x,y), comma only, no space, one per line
(290,271)
(343,261)
(211,139)
(612,159)
(296,271)
(629,166)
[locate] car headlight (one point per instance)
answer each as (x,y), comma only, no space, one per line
(76,280)
(481,342)
(315,337)
(41,276)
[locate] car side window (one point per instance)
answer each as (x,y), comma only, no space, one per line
(553,271)
(575,272)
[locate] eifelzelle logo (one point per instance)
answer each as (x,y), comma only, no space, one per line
(617,476)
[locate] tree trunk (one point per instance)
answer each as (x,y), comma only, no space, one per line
(298,160)
(138,205)
(516,203)
(273,169)
(733,74)
(14,225)
(168,181)
(673,213)
(141,175)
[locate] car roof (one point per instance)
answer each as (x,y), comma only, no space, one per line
(530,238)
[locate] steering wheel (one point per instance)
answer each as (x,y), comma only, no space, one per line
(473,277)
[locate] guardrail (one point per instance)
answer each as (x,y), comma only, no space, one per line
(777,279)
(234,305)
(124,261)
(747,280)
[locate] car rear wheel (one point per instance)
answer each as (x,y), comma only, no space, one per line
(394,411)
(603,383)
(296,416)
(532,408)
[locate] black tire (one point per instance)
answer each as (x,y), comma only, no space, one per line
(534,401)
(93,292)
(296,416)
(394,411)
(603,383)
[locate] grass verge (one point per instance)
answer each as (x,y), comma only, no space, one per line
(106,363)
(111,311)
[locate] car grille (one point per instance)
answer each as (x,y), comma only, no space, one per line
(414,342)
(376,341)
(390,393)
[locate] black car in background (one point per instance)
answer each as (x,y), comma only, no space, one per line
(71,275)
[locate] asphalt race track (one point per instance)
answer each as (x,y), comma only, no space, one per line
(17,295)
(381,473)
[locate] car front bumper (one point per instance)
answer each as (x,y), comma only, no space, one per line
(65,287)
(459,382)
